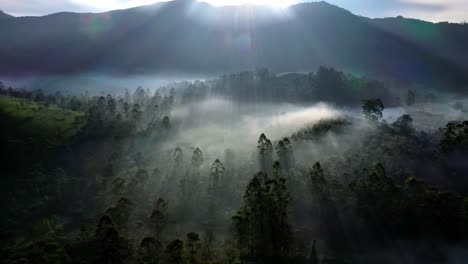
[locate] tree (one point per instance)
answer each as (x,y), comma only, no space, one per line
(111,105)
(217,173)
(404,123)
(149,251)
(128,97)
(376,197)
(372,109)
(284,152)
(110,246)
(121,213)
(158,218)
(410,98)
(178,156)
(126,109)
(166,124)
(265,151)
(193,240)
(174,252)
(136,112)
(197,158)
(454,137)
(262,224)
(318,185)
(139,96)
(313,257)
(277,171)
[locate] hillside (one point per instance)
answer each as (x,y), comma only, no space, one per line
(4,15)
(33,132)
(191,37)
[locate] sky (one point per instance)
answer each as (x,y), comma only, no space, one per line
(430,10)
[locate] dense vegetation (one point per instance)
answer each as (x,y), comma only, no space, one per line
(111,178)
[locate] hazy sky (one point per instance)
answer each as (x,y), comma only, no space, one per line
(431,10)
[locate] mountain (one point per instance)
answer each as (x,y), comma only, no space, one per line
(4,15)
(193,37)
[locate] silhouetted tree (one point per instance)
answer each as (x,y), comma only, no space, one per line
(313,257)
(265,151)
(158,218)
(192,242)
(197,158)
(410,98)
(372,109)
(149,251)
(173,253)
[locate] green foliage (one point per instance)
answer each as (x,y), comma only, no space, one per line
(110,246)
(217,173)
(372,109)
(404,123)
(174,252)
(376,197)
(49,228)
(149,251)
(109,158)
(318,185)
(52,125)
(158,219)
(193,240)
(454,137)
(262,224)
(41,252)
(321,128)
(265,151)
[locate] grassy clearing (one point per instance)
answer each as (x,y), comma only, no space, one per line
(36,120)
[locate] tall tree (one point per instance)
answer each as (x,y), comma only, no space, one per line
(265,151)
(284,152)
(410,98)
(313,257)
(262,224)
(318,185)
(158,218)
(197,158)
(372,109)
(193,240)
(149,251)
(110,246)
(174,252)
(217,173)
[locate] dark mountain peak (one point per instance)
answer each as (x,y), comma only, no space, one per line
(319,4)
(4,15)
(321,8)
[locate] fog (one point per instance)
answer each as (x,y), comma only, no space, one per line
(127,150)
(95,83)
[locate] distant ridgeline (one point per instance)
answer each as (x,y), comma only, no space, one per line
(194,37)
(325,85)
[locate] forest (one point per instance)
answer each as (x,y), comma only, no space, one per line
(252,167)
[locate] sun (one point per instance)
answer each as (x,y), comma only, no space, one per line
(272,3)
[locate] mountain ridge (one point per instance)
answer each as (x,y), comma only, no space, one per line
(183,36)
(5,15)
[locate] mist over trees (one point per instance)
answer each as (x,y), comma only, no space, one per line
(204,174)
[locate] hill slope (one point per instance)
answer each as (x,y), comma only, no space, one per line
(4,15)
(192,37)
